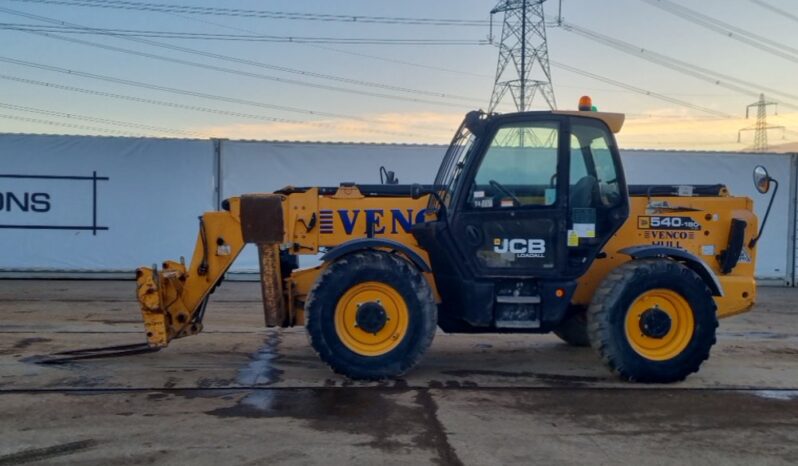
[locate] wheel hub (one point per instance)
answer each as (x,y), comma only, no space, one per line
(655,323)
(371,317)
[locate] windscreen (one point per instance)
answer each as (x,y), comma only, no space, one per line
(519,168)
(453,162)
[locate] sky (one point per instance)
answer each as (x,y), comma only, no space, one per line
(385,92)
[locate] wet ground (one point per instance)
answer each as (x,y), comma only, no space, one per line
(241,394)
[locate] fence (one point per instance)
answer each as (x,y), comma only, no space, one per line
(78,205)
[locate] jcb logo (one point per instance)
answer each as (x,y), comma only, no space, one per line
(520,247)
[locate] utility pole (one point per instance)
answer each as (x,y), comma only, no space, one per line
(761,127)
(523,68)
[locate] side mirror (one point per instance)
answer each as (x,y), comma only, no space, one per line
(762,183)
(762,179)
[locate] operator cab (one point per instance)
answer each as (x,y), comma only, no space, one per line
(525,203)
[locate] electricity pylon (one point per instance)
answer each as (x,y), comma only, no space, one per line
(761,127)
(523,68)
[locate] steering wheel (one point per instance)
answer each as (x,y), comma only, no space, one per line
(506,191)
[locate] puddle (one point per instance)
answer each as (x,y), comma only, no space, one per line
(549,379)
(396,419)
(784,395)
(258,373)
(260,401)
(261,371)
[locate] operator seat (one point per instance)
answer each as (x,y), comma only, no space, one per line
(585,192)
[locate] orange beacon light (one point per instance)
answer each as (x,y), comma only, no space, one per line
(585,103)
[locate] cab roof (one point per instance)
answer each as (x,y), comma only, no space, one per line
(613,120)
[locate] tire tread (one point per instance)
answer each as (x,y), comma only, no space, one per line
(599,328)
(375,260)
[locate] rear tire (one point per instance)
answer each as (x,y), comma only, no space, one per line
(652,321)
(371,315)
(573,330)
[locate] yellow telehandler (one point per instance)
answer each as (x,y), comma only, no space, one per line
(528,227)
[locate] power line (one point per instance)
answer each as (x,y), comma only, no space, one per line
(74,116)
(190,93)
(682,143)
(641,91)
(180,106)
(612,82)
(727,30)
(622,91)
(236,37)
(358,82)
(172,90)
(654,116)
(252,63)
(246,13)
(246,73)
(590,75)
(695,71)
(774,9)
(347,52)
(68,125)
(402,62)
(234,71)
(625,87)
(143,100)
(458,72)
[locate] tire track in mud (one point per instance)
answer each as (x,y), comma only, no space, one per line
(39,454)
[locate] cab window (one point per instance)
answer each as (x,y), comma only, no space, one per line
(519,168)
(594,174)
(578,161)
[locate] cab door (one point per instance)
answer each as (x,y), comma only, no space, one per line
(598,202)
(511,216)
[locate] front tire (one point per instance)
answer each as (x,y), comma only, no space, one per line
(652,321)
(371,315)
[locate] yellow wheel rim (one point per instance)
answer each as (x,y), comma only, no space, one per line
(386,338)
(673,339)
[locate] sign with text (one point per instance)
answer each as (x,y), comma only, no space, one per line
(100,204)
(50,202)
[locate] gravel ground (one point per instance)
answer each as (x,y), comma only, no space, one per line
(242,394)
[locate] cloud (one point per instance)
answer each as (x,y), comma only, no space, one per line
(677,130)
(660,128)
(423,127)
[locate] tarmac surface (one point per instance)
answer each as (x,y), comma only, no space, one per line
(242,394)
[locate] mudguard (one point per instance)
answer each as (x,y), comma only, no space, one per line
(695,263)
(371,243)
